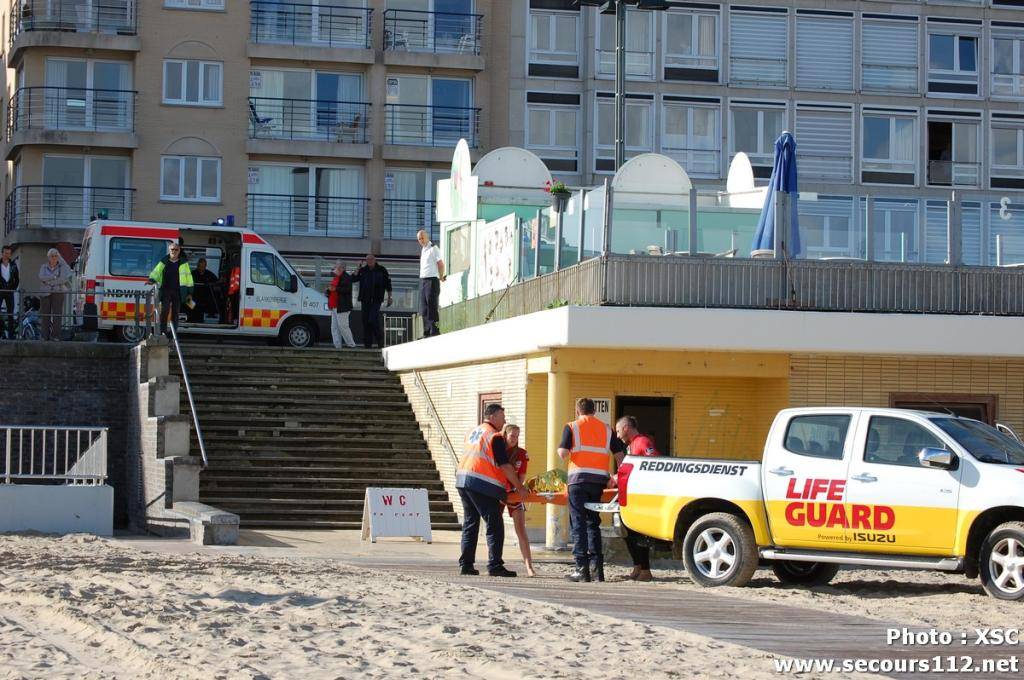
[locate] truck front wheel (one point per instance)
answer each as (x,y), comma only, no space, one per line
(1002,562)
(299,333)
(720,550)
(804,573)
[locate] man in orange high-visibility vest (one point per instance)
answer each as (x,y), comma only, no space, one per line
(587,446)
(483,471)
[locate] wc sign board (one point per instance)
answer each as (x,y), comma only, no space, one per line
(396,512)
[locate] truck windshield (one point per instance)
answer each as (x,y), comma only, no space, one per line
(982,441)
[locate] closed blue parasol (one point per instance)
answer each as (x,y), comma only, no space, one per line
(783,180)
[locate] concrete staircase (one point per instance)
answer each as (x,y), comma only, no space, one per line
(294,437)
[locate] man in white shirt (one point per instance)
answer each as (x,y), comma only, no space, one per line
(431,275)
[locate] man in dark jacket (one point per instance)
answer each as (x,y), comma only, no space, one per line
(206,293)
(339,300)
(374,284)
(8,284)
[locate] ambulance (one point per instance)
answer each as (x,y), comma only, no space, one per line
(258,293)
(862,487)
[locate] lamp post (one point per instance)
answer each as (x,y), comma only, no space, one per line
(618,7)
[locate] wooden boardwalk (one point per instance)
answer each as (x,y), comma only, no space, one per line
(778,629)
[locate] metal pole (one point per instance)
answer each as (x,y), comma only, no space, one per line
(869,229)
(999,250)
(583,225)
(558,240)
(620,84)
(692,245)
(536,252)
(188,392)
(954,249)
(609,204)
(780,223)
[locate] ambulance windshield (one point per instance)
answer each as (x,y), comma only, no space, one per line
(985,443)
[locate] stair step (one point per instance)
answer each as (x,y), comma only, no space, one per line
(435,525)
(314,476)
(317,463)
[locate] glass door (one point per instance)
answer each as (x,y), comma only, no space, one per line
(453,26)
(409,122)
(107,188)
(63,192)
(340,115)
(339,206)
(451,114)
(109,105)
(65,98)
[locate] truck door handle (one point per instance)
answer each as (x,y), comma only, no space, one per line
(781,471)
(865,477)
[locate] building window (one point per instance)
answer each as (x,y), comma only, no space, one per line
(639,129)
(759,48)
(754,128)
(430,111)
(825,150)
(307,201)
(485,400)
(197,83)
(889,150)
(1007,167)
(824,51)
(691,46)
(190,178)
(825,227)
(690,135)
(896,229)
(977,406)
(552,130)
(639,45)
(889,50)
(952,63)
(554,37)
(1007,67)
(953,158)
(194,4)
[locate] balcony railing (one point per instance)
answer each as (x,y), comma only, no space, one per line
(114,17)
(431,125)
(804,285)
(68,108)
(297,215)
(54,206)
(309,23)
(954,174)
(313,119)
(446,32)
(638,64)
(403,218)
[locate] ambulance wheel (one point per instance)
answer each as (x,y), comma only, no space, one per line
(132,335)
(1002,562)
(299,333)
(804,573)
(720,550)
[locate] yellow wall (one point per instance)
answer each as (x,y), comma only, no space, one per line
(868,381)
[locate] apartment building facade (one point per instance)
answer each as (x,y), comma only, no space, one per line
(320,123)
(905,101)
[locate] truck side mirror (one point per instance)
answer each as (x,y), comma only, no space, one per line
(293,284)
(936,458)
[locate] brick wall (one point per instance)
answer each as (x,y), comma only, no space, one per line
(71,384)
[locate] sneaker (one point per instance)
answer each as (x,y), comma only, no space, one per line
(501,571)
(469,571)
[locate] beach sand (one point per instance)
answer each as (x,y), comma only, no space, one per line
(83,607)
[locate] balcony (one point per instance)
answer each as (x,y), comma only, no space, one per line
(317,25)
(431,126)
(82,24)
(403,218)
(299,215)
(301,126)
(76,116)
(452,40)
(50,206)
(954,174)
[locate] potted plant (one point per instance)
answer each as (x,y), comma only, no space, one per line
(559,194)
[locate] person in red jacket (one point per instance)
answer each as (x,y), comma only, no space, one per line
(628,430)
(518,458)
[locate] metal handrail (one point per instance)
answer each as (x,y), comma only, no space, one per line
(434,416)
(438,32)
(46,108)
(188,391)
(319,119)
(43,205)
(78,466)
(404,217)
(423,125)
(342,216)
(303,23)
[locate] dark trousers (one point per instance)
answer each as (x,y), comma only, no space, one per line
(474,507)
(641,554)
(585,524)
(170,308)
(7,327)
(371,324)
(430,292)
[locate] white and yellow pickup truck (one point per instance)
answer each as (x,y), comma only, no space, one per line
(884,488)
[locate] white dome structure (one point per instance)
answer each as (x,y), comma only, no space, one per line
(511,166)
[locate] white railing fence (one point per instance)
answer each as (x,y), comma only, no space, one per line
(73,455)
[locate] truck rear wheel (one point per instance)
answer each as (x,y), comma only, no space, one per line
(1002,562)
(804,573)
(720,550)
(132,334)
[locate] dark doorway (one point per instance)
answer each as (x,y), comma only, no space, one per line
(654,415)
(977,406)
